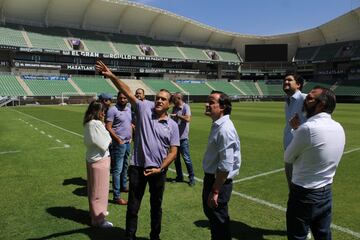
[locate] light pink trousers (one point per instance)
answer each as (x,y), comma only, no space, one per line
(98,189)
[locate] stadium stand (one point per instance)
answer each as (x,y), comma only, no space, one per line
(125,44)
(157,84)
(51,38)
(162,48)
(228,56)
(224,86)
(194,53)
(12,35)
(93,41)
(247,86)
(271,87)
(49,87)
(306,54)
(10,86)
(327,52)
(195,88)
(348,88)
(93,84)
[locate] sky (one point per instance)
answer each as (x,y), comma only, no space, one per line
(257,17)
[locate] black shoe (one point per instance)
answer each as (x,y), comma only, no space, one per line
(178,179)
(192,182)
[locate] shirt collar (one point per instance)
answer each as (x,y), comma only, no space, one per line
(296,95)
(221,120)
(320,115)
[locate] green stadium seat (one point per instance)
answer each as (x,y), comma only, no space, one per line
(9,86)
(228,56)
(49,87)
(51,38)
(163,48)
(247,86)
(271,88)
(224,86)
(194,53)
(157,84)
(125,44)
(92,84)
(93,41)
(11,35)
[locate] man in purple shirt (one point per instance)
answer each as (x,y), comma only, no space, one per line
(155,148)
(118,123)
(181,114)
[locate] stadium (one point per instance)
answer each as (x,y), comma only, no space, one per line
(48,50)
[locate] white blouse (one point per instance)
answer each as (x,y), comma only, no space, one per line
(97,140)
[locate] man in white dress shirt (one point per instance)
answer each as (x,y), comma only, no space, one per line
(221,163)
(315,153)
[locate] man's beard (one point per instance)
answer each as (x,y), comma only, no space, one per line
(309,111)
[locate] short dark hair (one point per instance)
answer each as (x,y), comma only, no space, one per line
(93,111)
(165,90)
(298,79)
(141,90)
(224,101)
(328,98)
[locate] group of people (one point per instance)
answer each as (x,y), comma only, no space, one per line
(313,145)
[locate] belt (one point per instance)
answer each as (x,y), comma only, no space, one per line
(210,175)
(321,189)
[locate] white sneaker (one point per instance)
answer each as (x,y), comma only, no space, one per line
(308,237)
(105,224)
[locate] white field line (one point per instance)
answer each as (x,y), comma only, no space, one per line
(7,152)
(53,125)
(278,170)
(258,175)
(352,150)
(257,200)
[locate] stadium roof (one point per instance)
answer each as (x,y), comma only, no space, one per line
(132,18)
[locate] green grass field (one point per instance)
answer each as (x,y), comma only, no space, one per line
(43,178)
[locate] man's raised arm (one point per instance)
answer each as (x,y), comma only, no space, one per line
(123,87)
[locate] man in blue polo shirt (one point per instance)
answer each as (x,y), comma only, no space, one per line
(155,148)
(118,123)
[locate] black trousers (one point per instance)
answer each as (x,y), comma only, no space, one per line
(137,185)
(218,217)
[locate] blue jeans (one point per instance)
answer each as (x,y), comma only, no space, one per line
(309,208)
(184,151)
(119,155)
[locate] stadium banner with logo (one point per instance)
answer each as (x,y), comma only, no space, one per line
(75,53)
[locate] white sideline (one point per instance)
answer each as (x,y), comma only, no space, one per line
(278,170)
(257,200)
(7,152)
(49,123)
(258,175)
(352,150)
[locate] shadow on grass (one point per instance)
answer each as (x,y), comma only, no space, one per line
(243,231)
(81,191)
(82,217)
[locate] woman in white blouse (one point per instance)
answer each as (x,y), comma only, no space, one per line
(97,140)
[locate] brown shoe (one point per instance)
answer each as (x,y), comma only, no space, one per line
(121,201)
(125,190)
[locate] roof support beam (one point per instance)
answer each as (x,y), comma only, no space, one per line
(181,32)
(85,14)
(153,23)
(121,17)
(46,14)
(2,9)
(322,34)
